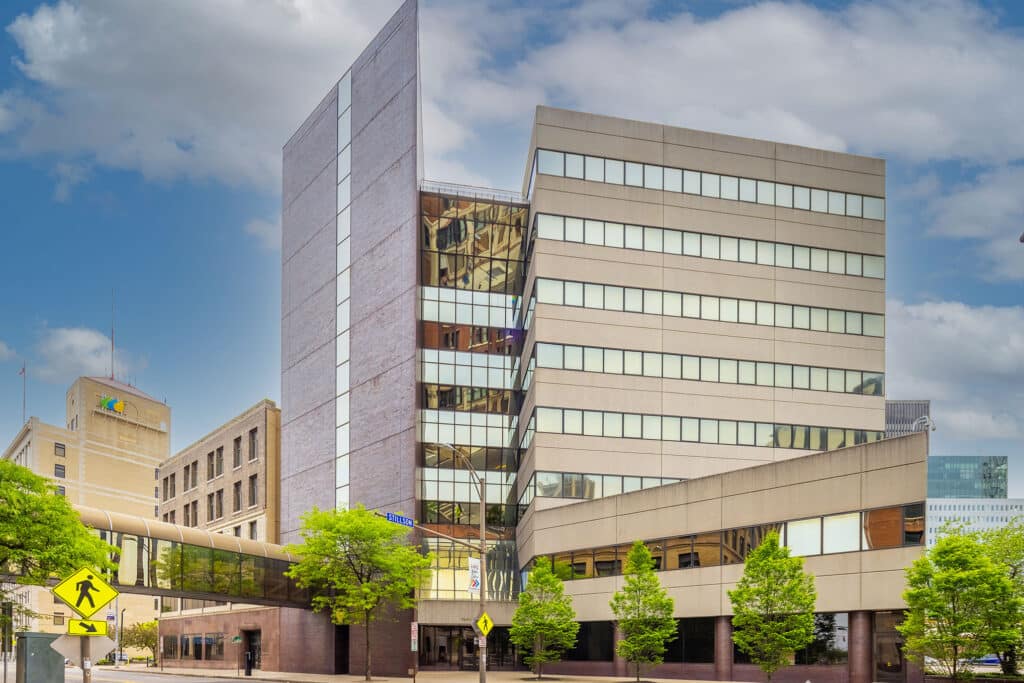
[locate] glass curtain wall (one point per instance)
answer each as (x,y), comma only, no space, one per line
(472,270)
(344,288)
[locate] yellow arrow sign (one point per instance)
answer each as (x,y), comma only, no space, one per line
(85,592)
(81,627)
(485,624)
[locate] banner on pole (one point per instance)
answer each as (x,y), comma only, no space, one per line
(474,575)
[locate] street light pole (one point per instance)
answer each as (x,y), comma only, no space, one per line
(482,491)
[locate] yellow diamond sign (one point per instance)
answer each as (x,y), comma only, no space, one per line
(85,592)
(485,624)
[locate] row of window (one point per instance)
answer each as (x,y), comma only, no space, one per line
(195,646)
(699,430)
(344,291)
(585,486)
(679,304)
(215,503)
(705,369)
(469,428)
(714,185)
(481,339)
(441,305)
(466,369)
(880,528)
(214,465)
(702,245)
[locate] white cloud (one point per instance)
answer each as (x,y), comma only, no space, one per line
(66,353)
(266,232)
(68,176)
(6,352)
(969,360)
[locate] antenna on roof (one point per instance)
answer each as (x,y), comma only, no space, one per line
(111,333)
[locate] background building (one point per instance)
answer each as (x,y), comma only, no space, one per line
(971,491)
(906,417)
(105,456)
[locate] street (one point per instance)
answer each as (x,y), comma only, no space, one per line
(74,675)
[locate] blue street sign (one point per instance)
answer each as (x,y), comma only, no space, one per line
(399,519)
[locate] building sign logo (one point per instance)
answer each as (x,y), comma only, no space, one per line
(111,403)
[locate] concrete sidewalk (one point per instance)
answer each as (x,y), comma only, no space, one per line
(431,676)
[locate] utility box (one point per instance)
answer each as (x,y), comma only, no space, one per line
(37,661)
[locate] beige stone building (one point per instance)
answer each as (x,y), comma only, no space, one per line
(106,457)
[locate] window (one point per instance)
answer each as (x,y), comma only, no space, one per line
(210,508)
(236,497)
(236,453)
(58,449)
(209,466)
(252,490)
(195,513)
(58,618)
(252,445)
(185,479)
(252,530)
(174,492)
(170,517)
(186,516)
(61,491)
(220,503)
(58,471)
(238,531)
(195,474)
(220,460)
(166,486)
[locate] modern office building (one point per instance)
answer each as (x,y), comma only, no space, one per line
(105,456)
(969,491)
(657,309)
(907,416)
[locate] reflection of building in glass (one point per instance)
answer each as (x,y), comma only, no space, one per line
(967,476)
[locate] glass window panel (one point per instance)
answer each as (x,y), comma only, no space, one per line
(550,227)
(652,427)
(709,369)
(874,208)
(802,258)
(748,251)
(764,435)
(819,201)
(765,374)
(801,377)
(748,312)
(612,485)
(613,361)
(573,293)
(727,432)
(614,235)
(549,420)
(837,262)
(819,379)
(691,244)
(765,192)
(652,177)
(765,313)
(593,423)
(853,323)
(819,260)
(613,172)
(882,528)
(652,302)
(709,184)
(613,424)
(551,163)
(344,161)
(745,434)
(728,310)
(853,205)
(344,131)
(572,357)
(836,380)
(709,246)
(593,232)
(748,190)
(728,187)
(573,166)
(573,230)
(549,291)
(673,180)
(783,315)
(691,182)
(729,249)
(549,355)
(819,319)
(766,253)
(874,325)
(837,203)
(344,224)
(672,304)
(594,169)
(837,321)
(573,421)
(727,371)
(803,537)
(874,266)
(634,300)
(634,237)
(691,305)
(690,429)
(343,193)
(802,317)
(632,426)
(746,372)
(670,429)
(783,375)
(709,307)
(672,366)
(652,364)
(634,174)
(613,298)
(691,367)
(784,255)
(709,431)
(593,295)
(854,264)
(653,239)
(853,381)
(633,362)
(673,242)
(783,195)
(801,198)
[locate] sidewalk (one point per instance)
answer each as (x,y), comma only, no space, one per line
(431,676)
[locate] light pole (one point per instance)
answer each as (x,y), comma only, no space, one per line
(482,490)
(120,643)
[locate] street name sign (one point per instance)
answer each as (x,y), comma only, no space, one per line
(85,592)
(400,519)
(82,627)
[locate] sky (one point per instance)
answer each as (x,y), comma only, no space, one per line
(140,167)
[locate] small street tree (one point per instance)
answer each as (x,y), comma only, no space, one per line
(773,606)
(357,566)
(960,606)
(1005,546)
(41,535)
(142,636)
(545,622)
(643,610)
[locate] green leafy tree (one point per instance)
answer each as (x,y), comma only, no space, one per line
(41,535)
(960,606)
(643,610)
(545,622)
(142,636)
(358,566)
(1005,546)
(773,606)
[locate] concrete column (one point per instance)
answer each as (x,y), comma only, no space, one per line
(723,649)
(860,654)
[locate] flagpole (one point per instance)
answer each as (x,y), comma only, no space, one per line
(24,382)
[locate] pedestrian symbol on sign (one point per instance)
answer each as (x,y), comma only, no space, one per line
(85,588)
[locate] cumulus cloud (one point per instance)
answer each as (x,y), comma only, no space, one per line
(66,353)
(266,232)
(969,360)
(6,352)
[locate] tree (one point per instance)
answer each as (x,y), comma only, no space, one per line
(357,565)
(545,622)
(643,610)
(773,606)
(41,535)
(1005,547)
(960,606)
(143,636)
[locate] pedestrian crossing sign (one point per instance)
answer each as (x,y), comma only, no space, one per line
(85,592)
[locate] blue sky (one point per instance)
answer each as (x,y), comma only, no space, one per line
(140,152)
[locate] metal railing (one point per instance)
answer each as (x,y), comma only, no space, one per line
(473,191)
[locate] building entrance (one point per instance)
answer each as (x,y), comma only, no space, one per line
(890,666)
(253,642)
(455,647)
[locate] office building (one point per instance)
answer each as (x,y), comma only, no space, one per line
(969,491)
(104,456)
(906,417)
(655,310)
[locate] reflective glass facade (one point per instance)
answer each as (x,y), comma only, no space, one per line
(967,476)
(471,270)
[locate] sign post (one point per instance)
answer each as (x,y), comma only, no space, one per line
(87,594)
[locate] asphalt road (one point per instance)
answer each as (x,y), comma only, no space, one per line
(74,675)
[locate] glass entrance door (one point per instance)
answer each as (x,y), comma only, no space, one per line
(890,666)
